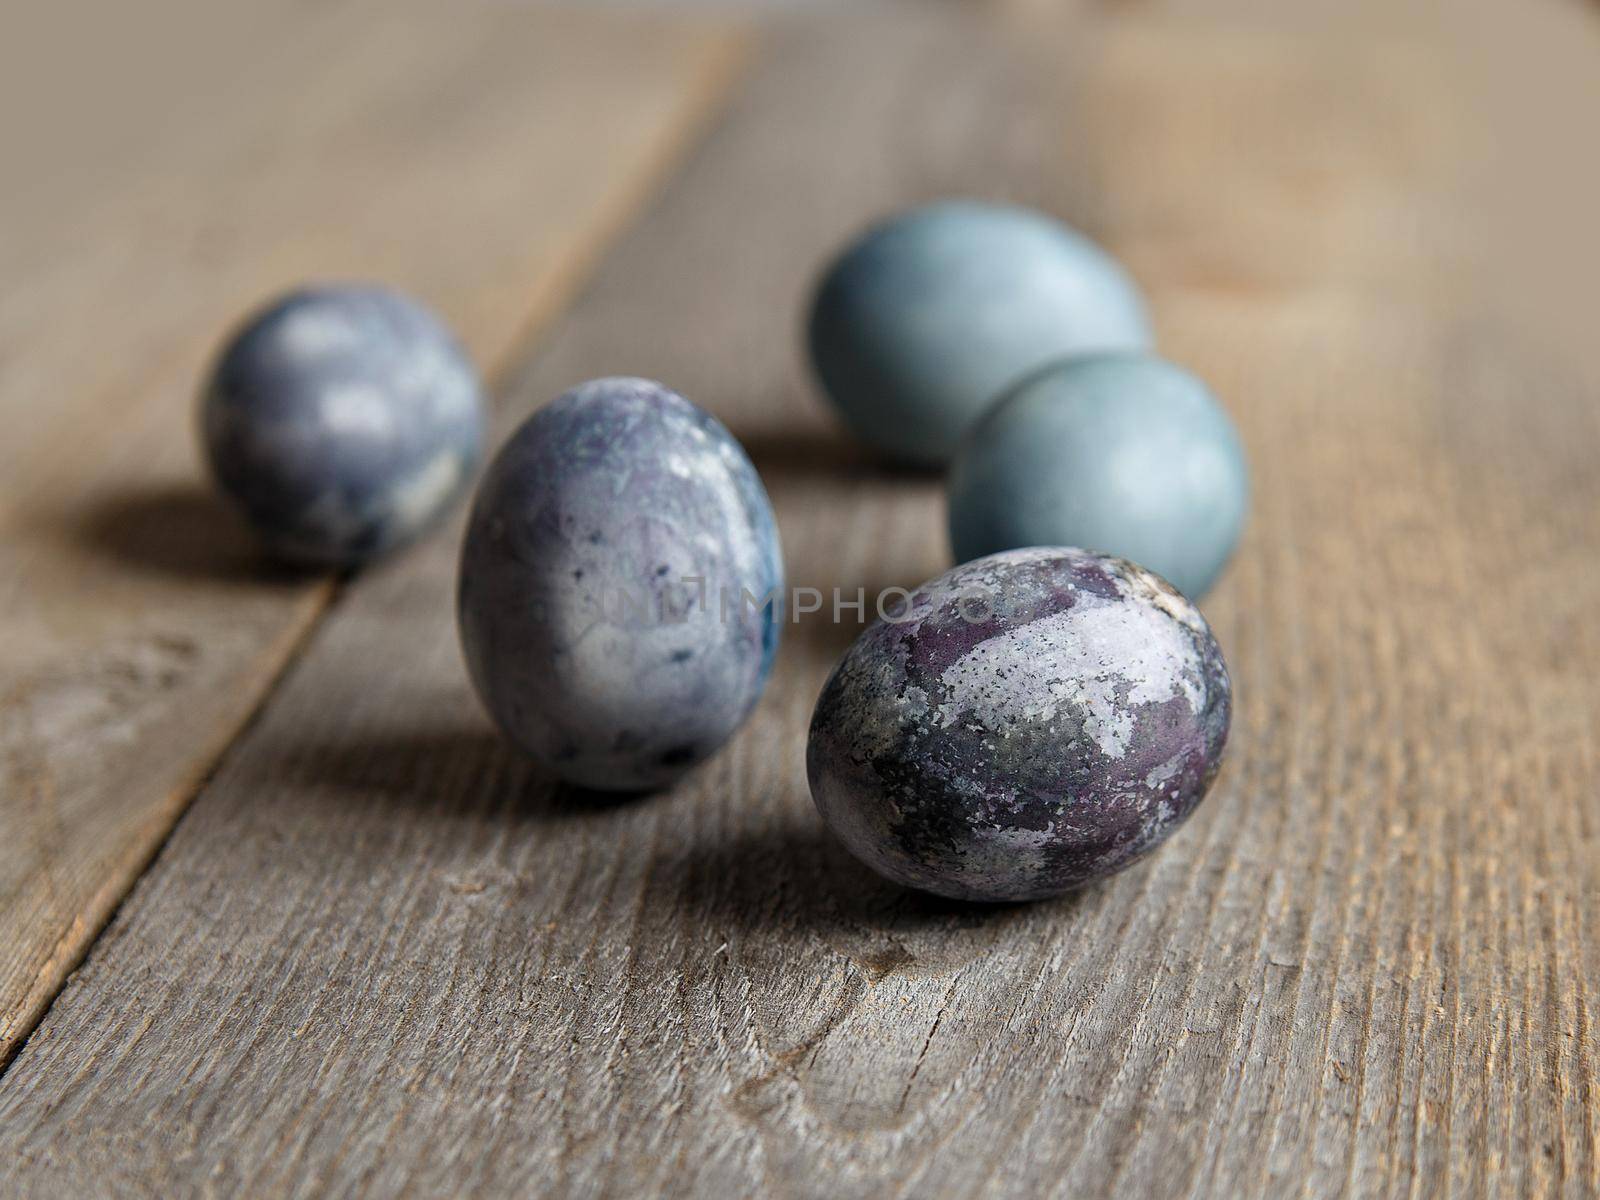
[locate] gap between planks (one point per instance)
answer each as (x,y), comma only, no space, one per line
(663,84)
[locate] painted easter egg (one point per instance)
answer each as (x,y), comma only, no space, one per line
(1026,724)
(924,321)
(342,420)
(621,586)
(1122,453)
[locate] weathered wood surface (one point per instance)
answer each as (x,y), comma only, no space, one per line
(380,954)
(435,149)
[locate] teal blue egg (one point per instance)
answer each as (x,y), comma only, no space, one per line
(1121,453)
(926,319)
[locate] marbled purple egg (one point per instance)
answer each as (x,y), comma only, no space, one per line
(1032,721)
(621,585)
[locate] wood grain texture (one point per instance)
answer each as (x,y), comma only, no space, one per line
(434,150)
(380,954)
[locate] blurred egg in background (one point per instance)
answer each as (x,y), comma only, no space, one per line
(342,420)
(926,319)
(1121,453)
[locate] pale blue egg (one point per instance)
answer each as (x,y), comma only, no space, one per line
(921,324)
(1124,454)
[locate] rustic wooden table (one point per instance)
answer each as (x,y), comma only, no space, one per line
(281,914)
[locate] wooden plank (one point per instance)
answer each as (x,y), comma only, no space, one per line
(479,156)
(380,954)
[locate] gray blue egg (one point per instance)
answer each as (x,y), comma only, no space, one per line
(621,589)
(926,319)
(342,420)
(1030,722)
(1122,453)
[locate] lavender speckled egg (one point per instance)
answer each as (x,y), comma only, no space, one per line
(926,319)
(1032,721)
(342,420)
(621,586)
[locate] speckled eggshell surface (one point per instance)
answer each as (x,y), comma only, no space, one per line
(1122,453)
(342,420)
(926,319)
(1032,722)
(612,584)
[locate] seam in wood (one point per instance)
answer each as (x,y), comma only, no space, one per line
(730,58)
